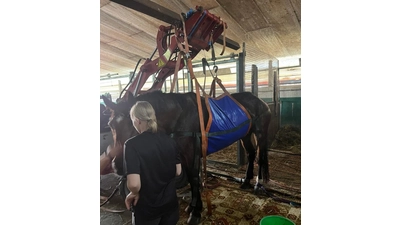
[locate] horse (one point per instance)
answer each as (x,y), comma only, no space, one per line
(177,114)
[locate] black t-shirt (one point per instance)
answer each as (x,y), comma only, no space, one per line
(154,157)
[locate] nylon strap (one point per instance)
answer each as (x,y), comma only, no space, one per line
(204,139)
(177,65)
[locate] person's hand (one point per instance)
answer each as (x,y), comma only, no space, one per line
(131,199)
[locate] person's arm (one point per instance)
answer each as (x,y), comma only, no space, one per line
(178,169)
(134,185)
(133,174)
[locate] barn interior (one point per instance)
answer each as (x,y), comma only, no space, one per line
(261,54)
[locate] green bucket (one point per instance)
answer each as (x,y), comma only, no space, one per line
(276,220)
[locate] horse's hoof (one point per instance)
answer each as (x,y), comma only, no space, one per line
(188,209)
(245,185)
(256,189)
(193,220)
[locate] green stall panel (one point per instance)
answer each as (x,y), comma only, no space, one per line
(291,111)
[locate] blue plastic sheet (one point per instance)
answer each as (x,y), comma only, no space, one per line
(229,123)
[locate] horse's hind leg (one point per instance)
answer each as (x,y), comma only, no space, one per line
(263,166)
(251,156)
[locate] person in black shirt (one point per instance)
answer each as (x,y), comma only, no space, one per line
(152,163)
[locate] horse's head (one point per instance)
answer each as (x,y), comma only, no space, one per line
(120,123)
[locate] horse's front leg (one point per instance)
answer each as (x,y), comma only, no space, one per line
(196,205)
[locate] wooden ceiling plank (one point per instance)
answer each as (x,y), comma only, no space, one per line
(110,69)
(141,40)
(133,48)
(179,6)
(290,9)
(104,2)
(120,65)
(104,71)
(137,39)
(113,69)
(131,17)
(268,41)
(206,4)
(105,38)
(118,52)
(249,18)
(111,21)
(110,58)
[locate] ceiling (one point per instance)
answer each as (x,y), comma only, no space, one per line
(270,29)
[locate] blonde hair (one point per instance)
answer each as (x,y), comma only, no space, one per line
(145,112)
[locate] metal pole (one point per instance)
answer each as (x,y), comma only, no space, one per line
(240,72)
(119,86)
(254,80)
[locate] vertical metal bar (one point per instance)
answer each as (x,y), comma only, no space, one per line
(183,80)
(240,71)
(119,86)
(240,74)
(190,83)
(270,75)
(277,96)
(254,80)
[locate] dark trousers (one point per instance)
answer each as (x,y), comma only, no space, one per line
(167,219)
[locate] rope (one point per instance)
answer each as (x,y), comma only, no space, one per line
(108,199)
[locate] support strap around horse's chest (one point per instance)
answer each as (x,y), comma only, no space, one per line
(228,121)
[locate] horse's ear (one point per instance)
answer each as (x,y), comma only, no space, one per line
(108,102)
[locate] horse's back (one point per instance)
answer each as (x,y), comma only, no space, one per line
(251,102)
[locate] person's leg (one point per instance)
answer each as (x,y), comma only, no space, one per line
(141,221)
(170,218)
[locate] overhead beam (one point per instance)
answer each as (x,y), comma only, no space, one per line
(157,11)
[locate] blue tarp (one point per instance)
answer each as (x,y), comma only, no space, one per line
(229,123)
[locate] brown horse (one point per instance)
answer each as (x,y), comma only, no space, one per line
(177,114)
